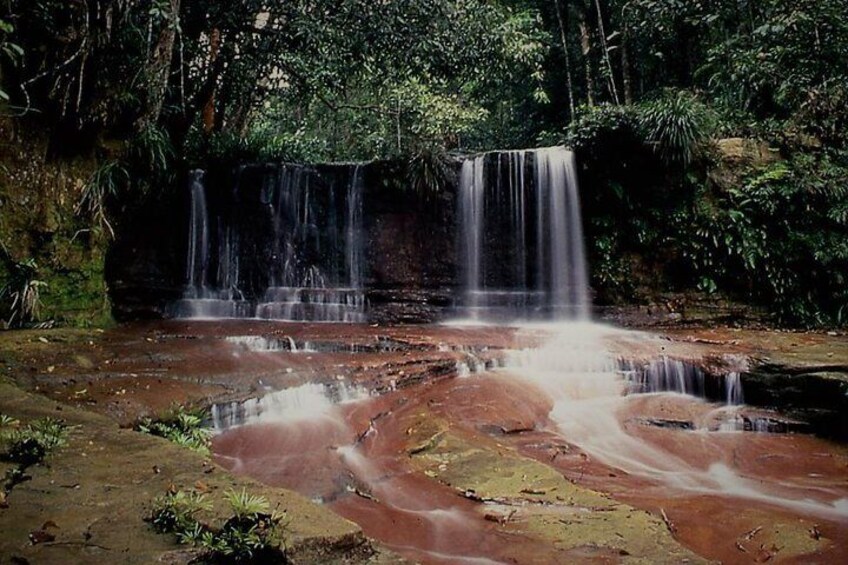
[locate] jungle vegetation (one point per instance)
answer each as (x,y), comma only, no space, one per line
(642,89)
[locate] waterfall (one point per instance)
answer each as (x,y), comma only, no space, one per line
(286,243)
(320,254)
(471,211)
(204,298)
(588,388)
(198,240)
(521,236)
(354,243)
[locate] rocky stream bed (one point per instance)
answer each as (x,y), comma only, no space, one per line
(422,443)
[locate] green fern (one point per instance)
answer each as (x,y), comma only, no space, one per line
(250,535)
(30,444)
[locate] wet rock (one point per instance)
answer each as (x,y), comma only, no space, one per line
(41,536)
(552,509)
(668,424)
(429,444)
(818,398)
(772,425)
(738,150)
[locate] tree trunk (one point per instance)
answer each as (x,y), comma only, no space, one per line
(569,81)
(603,36)
(586,48)
(209,114)
(625,67)
(159,68)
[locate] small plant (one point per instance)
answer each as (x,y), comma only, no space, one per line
(429,172)
(183,427)
(246,506)
(250,532)
(250,535)
(20,293)
(30,444)
(151,149)
(9,50)
(106,182)
(175,511)
(7,421)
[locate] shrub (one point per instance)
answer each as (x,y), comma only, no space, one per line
(20,291)
(780,238)
(595,127)
(429,172)
(109,180)
(175,511)
(676,125)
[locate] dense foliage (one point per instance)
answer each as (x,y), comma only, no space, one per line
(320,79)
(763,222)
(640,87)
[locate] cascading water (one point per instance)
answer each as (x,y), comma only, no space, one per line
(198,239)
(676,376)
(521,237)
(522,251)
(311,401)
(589,387)
(287,244)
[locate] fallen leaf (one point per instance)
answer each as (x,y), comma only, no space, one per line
(40,536)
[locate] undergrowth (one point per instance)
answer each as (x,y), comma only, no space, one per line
(251,534)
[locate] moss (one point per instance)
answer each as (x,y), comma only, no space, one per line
(78,298)
(527,496)
(77,293)
(40,221)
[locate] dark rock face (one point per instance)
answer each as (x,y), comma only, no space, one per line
(818,397)
(411,271)
(145,266)
(410,243)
